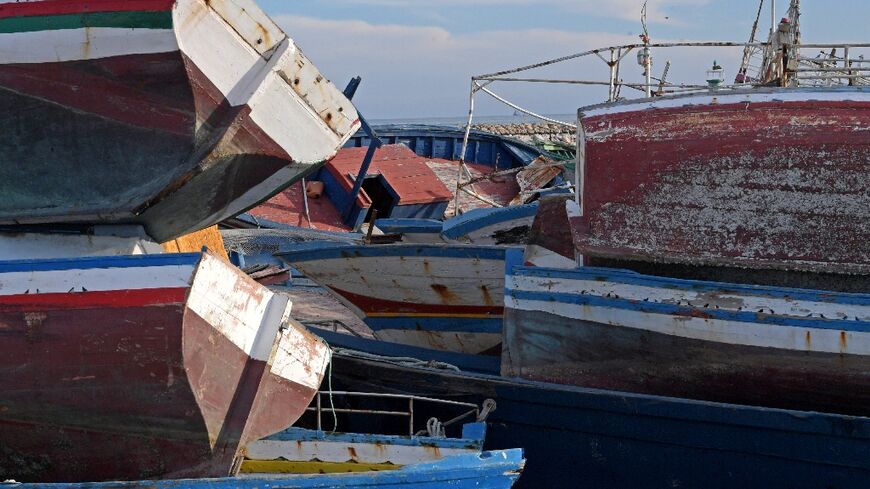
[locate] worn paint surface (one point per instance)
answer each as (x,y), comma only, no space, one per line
(176,368)
(488,470)
(776,179)
(298,445)
(196,119)
(766,346)
(440,296)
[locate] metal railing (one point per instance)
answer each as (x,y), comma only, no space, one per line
(472,409)
(785,65)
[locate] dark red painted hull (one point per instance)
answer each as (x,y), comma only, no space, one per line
(153,138)
(131,385)
(769,184)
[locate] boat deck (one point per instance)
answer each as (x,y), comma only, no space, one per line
(416,180)
(288,207)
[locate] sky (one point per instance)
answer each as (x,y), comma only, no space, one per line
(417,57)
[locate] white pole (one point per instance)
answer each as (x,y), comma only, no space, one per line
(464,146)
(772,18)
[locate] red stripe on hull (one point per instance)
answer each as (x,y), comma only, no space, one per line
(65,7)
(371,305)
(37,302)
(777,185)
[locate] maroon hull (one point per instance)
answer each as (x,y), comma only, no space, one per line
(159,382)
(734,180)
(111,381)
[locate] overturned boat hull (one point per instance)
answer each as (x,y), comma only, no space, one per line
(174,361)
(170,114)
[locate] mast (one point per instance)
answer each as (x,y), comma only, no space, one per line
(749,52)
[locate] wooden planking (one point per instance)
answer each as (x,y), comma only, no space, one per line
(194,242)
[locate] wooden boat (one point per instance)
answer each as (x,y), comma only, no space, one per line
(771,179)
(443,142)
(437,296)
(665,441)
(413,176)
(487,470)
(151,366)
(171,114)
(725,342)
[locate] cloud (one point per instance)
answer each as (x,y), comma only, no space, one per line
(618,9)
(426,71)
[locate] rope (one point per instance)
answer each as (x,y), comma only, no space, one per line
(331,400)
(435,428)
(401,361)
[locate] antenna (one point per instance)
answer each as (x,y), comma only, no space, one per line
(643,11)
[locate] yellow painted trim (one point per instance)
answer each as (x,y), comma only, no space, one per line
(314,467)
(415,315)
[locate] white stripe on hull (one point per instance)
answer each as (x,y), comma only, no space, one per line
(713,330)
(722,301)
(470,343)
(756,96)
(52,46)
(339,452)
(96,279)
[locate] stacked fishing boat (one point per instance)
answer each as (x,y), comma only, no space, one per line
(127,124)
(722,239)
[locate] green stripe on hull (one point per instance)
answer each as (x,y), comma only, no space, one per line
(121,20)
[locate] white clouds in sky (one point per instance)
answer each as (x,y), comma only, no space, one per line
(413,71)
(619,9)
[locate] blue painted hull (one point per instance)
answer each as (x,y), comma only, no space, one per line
(607,439)
(446,143)
(489,470)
